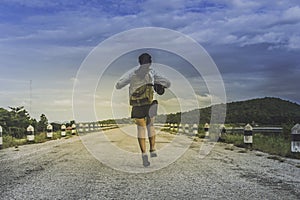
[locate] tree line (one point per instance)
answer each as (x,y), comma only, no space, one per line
(15,121)
(261,111)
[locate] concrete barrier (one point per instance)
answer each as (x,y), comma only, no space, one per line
(73,129)
(206,130)
(80,129)
(49,131)
(175,128)
(195,129)
(248,135)
(180,129)
(187,129)
(30,133)
(295,138)
(171,127)
(63,130)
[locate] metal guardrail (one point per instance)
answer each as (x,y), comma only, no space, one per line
(93,127)
(262,130)
(181,128)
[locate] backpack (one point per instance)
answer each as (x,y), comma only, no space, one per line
(141,91)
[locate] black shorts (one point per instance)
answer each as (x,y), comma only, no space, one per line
(144,111)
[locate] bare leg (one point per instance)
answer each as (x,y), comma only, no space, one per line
(151,133)
(141,129)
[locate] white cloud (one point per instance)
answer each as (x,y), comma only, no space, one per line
(32,3)
(240,19)
(245,4)
(294,42)
(177,104)
(158,6)
(292,13)
(49,47)
(63,102)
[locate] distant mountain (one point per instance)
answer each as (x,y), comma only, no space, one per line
(263,111)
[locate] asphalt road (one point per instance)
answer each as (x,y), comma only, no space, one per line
(66,169)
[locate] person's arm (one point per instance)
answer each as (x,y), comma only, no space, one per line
(158,79)
(125,80)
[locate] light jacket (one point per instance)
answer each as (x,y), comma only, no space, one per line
(155,78)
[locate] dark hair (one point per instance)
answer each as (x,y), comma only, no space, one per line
(145,58)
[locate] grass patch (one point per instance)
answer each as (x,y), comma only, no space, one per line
(9,141)
(275,145)
(39,138)
(201,135)
(235,139)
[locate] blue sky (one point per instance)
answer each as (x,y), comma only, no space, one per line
(255,45)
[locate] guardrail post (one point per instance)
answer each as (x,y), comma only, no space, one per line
(1,140)
(248,135)
(30,133)
(98,126)
(73,129)
(167,126)
(180,129)
(49,131)
(295,138)
(206,130)
(80,130)
(176,127)
(86,128)
(187,129)
(195,129)
(63,130)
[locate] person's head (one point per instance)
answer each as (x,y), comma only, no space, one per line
(145,59)
(145,62)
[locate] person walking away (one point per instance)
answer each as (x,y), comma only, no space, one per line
(143,81)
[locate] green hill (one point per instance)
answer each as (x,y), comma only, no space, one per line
(272,111)
(263,111)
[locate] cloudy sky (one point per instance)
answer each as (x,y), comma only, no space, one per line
(254,44)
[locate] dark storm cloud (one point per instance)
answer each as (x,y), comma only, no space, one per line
(257,70)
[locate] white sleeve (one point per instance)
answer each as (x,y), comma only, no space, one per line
(125,79)
(158,79)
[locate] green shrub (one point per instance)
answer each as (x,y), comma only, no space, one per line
(9,141)
(41,137)
(201,134)
(236,139)
(276,145)
(56,135)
